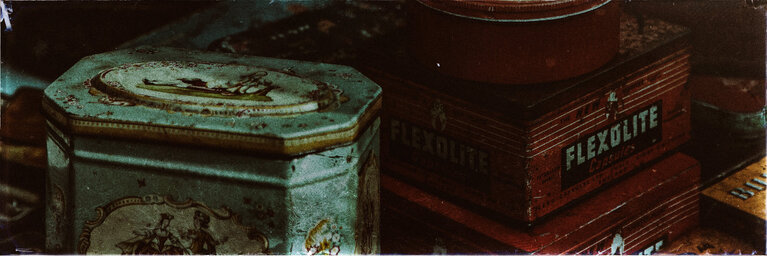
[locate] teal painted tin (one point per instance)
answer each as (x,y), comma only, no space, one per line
(171,151)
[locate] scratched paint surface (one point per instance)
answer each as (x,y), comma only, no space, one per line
(71,93)
(113,189)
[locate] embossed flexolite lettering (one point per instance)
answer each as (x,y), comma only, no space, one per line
(436,145)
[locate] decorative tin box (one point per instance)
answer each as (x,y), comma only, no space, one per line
(737,204)
(525,151)
(160,150)
(638,215)
(513,41)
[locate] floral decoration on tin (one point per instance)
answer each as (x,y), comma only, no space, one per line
(323,239)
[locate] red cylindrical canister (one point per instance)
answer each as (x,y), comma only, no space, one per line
(514,41)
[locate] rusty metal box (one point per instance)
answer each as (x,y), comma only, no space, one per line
(171,151)
(524,151)
(638,215)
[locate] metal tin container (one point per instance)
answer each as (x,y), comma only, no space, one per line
(729,105)
(525,151)
(639,215)
(161,150)
(736,204)
(514,41)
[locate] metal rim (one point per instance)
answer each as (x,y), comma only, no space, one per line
(547,10)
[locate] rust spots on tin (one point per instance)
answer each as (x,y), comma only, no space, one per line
(296,8)
(344,75)
(258,126)
(324,26)
(258,210)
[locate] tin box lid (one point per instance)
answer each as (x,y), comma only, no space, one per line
(514,10)
(642,41)
(202,98)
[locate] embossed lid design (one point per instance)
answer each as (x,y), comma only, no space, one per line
(214,88)
(212,99)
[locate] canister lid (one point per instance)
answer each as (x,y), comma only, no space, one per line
(215,88)
(212,99)
(514,10)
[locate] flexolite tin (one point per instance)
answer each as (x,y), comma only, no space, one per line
(525,151)
(171,151)
(638,215)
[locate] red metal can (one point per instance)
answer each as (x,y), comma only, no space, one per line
(729,105)
(636,216)
(514,42)
(526,151)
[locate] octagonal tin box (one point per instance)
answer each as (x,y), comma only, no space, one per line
(170,151)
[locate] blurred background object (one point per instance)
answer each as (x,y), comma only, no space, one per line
(729,39)
(728,36)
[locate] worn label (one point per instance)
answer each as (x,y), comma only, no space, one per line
(598,150)
(158,225)
(57,208)
(368,208)
(438,153)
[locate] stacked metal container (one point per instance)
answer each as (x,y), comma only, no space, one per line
(479,157)
(499,164)
(173,151)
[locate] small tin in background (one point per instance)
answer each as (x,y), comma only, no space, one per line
(728,123)
(170,151)
(513,42)
(732,106)
(638,215)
